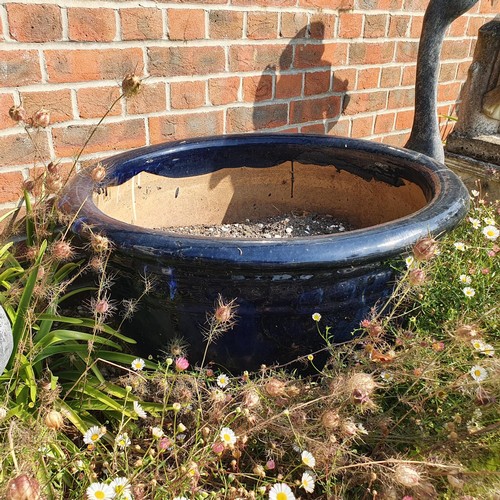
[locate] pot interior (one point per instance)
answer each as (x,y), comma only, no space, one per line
(231,195)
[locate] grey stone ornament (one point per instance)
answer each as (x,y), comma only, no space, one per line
(6,340)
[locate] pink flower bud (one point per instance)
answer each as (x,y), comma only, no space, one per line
(270,464)
(218,447)
(181,364)
(417,277)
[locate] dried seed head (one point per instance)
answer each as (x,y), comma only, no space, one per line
(53,183)
(131,85)
(17,113)
(53,168)
(417,277)
(330,419)
(54,420)
(407,476)
(98,173)
(23,487)
(467,332)
(62,251)
(100,244)
(28,185)
(225,312)
(41,118)
(251,399)
(275,388)
(361,383)
(425,249)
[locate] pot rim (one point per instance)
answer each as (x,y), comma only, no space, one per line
(448,202)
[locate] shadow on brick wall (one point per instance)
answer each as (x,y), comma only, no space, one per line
(300,91)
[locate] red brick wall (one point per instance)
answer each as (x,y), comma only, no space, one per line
(343,67)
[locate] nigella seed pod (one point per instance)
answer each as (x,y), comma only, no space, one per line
(98,173)
(54,420)
(407,476)
(131,85)
(41,118)
(23,487)
(62,251)
(17,113)
(425,249)
(330,419)
(417,277)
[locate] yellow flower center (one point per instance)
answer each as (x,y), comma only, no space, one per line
(95,437)
(281,496)
(100,494)
(227,438)
(477,373)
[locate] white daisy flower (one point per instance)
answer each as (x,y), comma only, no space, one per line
(478,373)
(409,261)
(281,491)
(138,364)
(316,316)
(122,440)
(469,292)
(180,498)
(308,459)
(476,223)
(460,246)
(489,221)
(100,491)
(93,435)
(222,380)
(139,410)
(464,278)
(491,232)
(474,193)
(487,349)
(307,482)
(157,432)
(386,376)
(478,344)
(227,435)
(121,487)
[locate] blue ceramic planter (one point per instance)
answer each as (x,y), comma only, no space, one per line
(394,196)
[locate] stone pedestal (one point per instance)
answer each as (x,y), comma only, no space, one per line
(6,343)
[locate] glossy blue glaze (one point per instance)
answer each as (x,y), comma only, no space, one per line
(278,283)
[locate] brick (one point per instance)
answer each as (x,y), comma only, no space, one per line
(368,78)
(449,91)
(183,126)
(328,4)
(18,149)
(399,26)
(317,82)
(361,127)
(350,25)
(141,23)
(193,1)
(364,102)
(371,53)
(344,79)
(150,99)
(384,122)
(262,25)
(223,90)
(58,102)
(225,24)
(375,25)
(473,25)
(293,24)
(187,95)
(34,23)
(246,119)
(307,110)
(458,27)
(186,24)
(95,102)
(487,7)
(19,67)
(91,25)
(10,186)
(463,69)
(322,25)
(316,128)
(396,140)
(320,55)
(409,75)
(68,141)
(400,98)
(390,76)
(64,66)
(416,4)
(340,127)
(416,26)
(185,61)
(404,120)
(259,57)
(289,86)
(264,3)
(447,72)
(406,52)
(6,102)
(455,49)
(257,88)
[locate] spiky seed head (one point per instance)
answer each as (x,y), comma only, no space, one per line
(407,476)
(54,420)
(417,277)
(62,251)
(17,113)
(131,85)
(53,184)
(99,243)
(363,383)
(330,419)
(275,388)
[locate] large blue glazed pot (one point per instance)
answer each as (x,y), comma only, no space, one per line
(392,196)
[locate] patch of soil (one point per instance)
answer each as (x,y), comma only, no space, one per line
(289,225)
